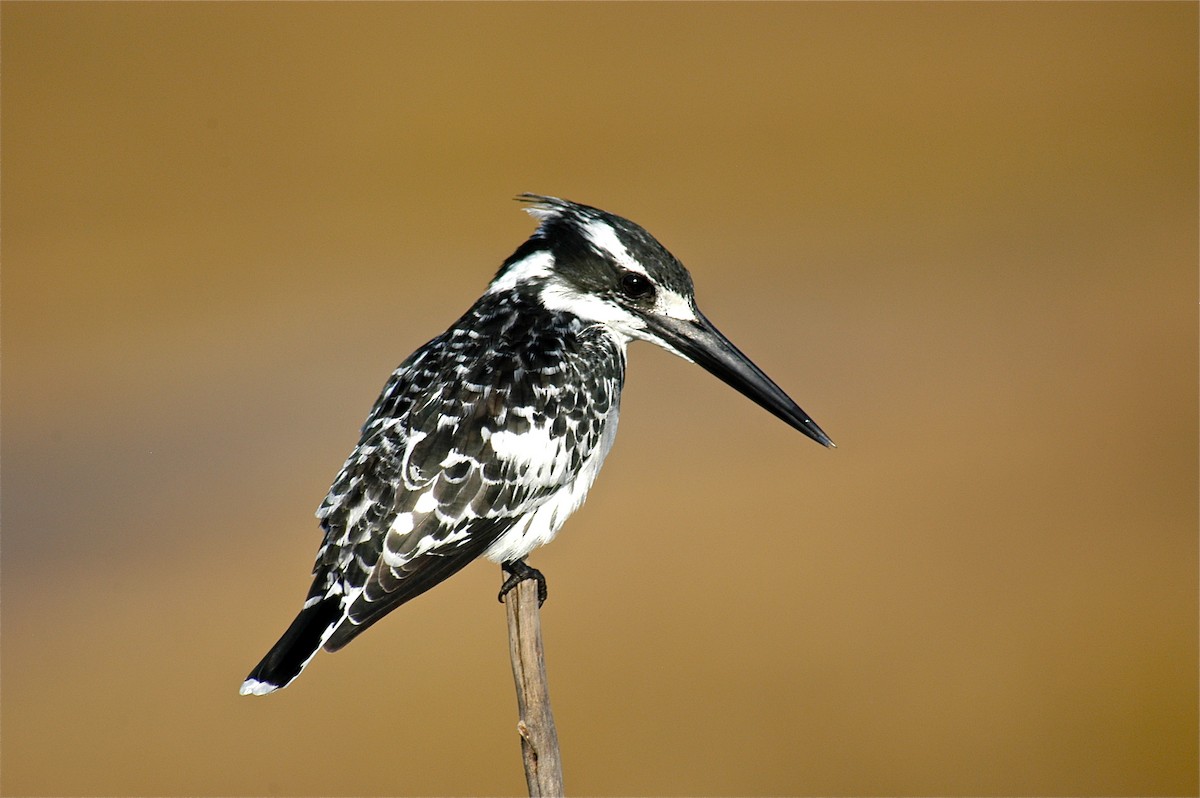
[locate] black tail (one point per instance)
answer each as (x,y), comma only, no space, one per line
(299,644)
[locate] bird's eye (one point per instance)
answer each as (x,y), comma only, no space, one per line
(636,285)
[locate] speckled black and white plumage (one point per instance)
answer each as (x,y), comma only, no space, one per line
(487,438)
(482,443)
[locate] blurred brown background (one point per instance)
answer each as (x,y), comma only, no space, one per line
(962,236)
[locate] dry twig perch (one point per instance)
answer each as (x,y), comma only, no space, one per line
(539,739)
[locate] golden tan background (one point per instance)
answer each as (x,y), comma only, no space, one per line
(962,236)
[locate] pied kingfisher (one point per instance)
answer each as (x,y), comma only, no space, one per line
(487,438)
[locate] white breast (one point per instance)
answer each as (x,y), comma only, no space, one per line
(540,525)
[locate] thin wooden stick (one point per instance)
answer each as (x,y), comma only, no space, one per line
(539,739)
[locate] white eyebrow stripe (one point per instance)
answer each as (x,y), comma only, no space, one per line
(604,238)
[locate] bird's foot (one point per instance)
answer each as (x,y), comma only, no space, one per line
(518,572)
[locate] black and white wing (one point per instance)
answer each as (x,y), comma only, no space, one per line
(461,456)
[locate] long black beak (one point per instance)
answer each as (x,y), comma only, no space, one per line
(703,343)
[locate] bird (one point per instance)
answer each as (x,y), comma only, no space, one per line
(487,438)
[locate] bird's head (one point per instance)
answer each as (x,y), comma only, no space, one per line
(607,270)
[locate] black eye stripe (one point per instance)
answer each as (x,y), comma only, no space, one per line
(636,285)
